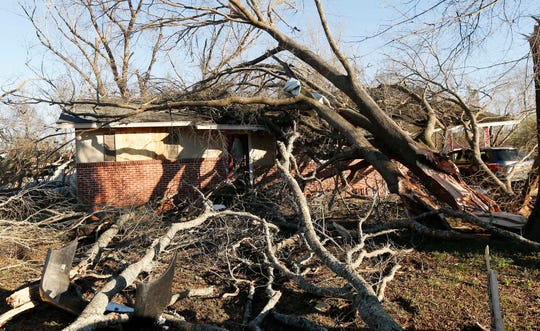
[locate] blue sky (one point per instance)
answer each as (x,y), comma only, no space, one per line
(17,36)
(350,17)
(362,18)
(353,20)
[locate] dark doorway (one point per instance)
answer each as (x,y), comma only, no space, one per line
(238,157)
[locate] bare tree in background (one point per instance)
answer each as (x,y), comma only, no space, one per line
(26,148)
(115,48)
(102,35)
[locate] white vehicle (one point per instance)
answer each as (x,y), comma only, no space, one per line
(503,161)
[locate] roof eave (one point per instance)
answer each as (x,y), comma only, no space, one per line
(483,125)
(201,126)
(95,125)
(230,127)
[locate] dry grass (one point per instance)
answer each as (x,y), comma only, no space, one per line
(441,285)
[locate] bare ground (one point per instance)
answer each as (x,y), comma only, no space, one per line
(441,286)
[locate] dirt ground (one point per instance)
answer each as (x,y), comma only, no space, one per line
(441,286)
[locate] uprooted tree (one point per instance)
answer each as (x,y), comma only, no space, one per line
(103,34)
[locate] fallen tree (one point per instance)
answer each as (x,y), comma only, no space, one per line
(430,182)
(349,109)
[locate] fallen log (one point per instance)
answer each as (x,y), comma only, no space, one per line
(190,293)
(93,254)
(26,294)
(255,324)
(93,314)
(492,228)
(5,317)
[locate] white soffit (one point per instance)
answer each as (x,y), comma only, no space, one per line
(229,127)
(94,125)
(483,125)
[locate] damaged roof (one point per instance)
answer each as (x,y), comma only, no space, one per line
(89,115)
(411,115)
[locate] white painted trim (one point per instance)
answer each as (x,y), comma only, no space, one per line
(230,127)
(250,160)
(94,125)
(484,125)
(500,123)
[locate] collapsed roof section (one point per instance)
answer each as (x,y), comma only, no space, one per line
(410,114)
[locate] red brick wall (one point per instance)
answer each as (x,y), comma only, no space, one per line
(133,183)
(366,183)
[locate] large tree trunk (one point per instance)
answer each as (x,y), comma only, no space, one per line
(436,174)
(532,228)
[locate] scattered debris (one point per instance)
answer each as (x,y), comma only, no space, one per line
(55,288)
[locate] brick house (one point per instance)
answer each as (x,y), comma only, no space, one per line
(127,159)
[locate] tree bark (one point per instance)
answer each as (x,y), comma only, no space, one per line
(532,228)
(93,314)
(392,141)
(367,303)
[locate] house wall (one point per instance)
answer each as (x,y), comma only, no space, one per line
(262,150)
(153,163)
(89,146)
(364,181)
(137,144)
(134,145)
(133,183)
(149,163)
(361,181)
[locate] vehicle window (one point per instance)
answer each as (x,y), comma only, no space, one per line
(468,155)
(454,156)
(506,154)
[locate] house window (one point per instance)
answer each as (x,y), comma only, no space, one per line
(172,141)
(109,147)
